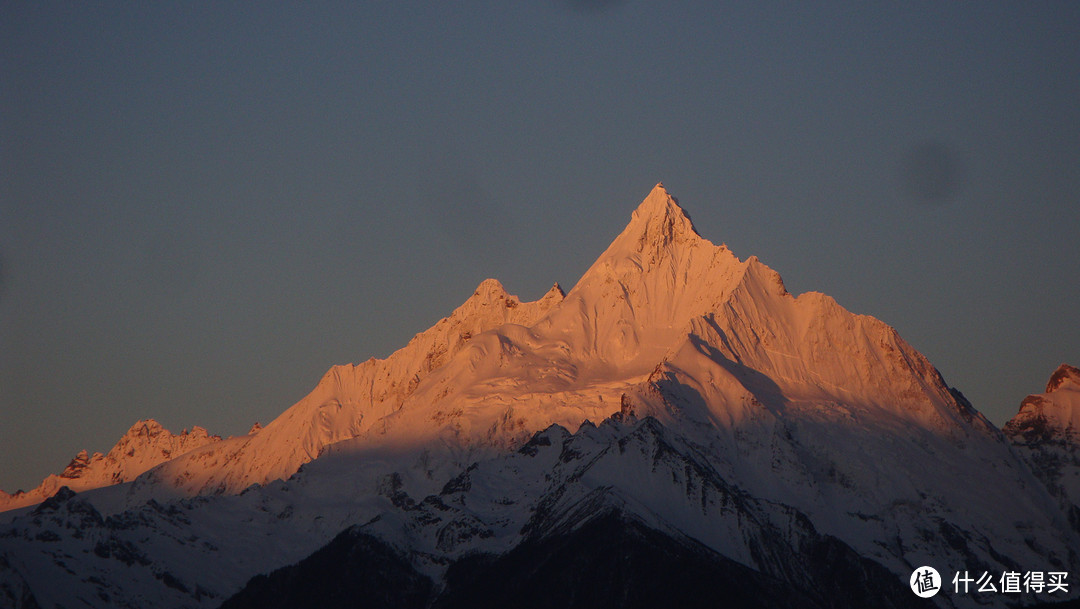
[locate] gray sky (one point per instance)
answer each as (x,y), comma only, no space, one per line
(203,207)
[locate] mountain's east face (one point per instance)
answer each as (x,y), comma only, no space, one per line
(144,446)
(766,430)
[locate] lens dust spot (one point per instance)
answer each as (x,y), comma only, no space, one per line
(931,172)
(455,197)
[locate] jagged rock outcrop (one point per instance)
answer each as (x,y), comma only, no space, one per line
(145,445)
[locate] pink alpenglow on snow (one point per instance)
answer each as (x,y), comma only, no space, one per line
(675,384)
(661,301)
(145,445)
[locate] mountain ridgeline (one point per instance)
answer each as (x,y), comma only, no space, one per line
(677,428)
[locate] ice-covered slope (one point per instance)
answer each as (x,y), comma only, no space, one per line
(769,428)
(144,446)
(1046,432)
(195,553)
(661,299)
(636,300)
(576,362)
(497,370)
(662,308)
(347,402)
(795,399)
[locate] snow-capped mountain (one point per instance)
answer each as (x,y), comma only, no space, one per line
(349,401)
(1046,432)
(1052,415)
(145,445)
(677,401)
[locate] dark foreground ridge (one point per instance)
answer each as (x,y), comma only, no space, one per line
(612,561)
(353,570)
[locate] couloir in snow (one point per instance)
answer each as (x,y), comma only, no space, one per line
(677,428)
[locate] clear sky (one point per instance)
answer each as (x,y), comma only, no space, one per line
(205,205)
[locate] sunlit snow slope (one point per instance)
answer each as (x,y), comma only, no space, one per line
(675,385)
(144,446)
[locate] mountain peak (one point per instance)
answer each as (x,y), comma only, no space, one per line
(660,208)
(657,197)
(556,292)
(656,225)
(145,427)
(1064,374)
(146,444)
(490,288)
(1052,415)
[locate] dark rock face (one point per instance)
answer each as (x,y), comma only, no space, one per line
(353,570)
(611,561)
(1064,373)
(14,592)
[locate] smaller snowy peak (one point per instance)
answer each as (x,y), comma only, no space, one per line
(145,445)
(149,433)
(491,305)
(490,289)
(146,427)
(79,464)
(1064,374)
(351,399)
(1046,434)
(1053,416)
(556,293)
